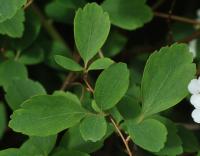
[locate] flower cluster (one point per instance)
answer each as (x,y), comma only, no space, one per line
(194,89)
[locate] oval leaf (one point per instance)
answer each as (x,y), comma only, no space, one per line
(111,86)
(101,63)
(91,28)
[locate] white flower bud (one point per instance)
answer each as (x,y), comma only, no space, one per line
(195,100)
(194,86)
(196,115)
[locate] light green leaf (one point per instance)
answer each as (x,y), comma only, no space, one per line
(130,15)
(173,145)
(150,134)
(98,130)
(2,119)
(91,28)
(9,8)
(164,88)
(38,146)
(67,63)
(10,152)
(101,63)
(39,115)
(111,86)
(13,27)
(10,70)
(22,89)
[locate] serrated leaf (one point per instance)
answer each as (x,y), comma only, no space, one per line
(22,89)
(38,146)
(130,15)
(10,70)
(150,134)
(13,27)
(67,63)
(91,28)
(101,63)
(98,130)
(111,86)
(164,88)
(39,115)
(9,8)
(2,119)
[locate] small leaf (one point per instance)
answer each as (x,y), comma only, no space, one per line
(101,63)
(67,63)
(111,86)
(91,28)
(98,130)
(13,27)
(22,89)
(10,70)
(2,119)
(164,88)
(39,115)
(130,15)
(150,134)
(38,146)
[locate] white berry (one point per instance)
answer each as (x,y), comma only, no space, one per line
(194,86)
(196,115)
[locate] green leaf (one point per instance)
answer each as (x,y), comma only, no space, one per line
(62,152)
(189,140)
(164,88)
(114,44)
(39,115)
(173,145)
(38,146)
(98,130)
(2,119)
(67,63)
(10,70)
(130,15)
(72,140)
(13,27)
(150,134)
(101,63)
(22,89)
(111,86)
(91,28)
(9,8)
(33,55)
(10,152)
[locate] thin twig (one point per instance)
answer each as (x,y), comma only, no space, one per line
(122,137)
(67,80)
(189,38)
(158,4)
(177,18)
(101,54)
(28,4)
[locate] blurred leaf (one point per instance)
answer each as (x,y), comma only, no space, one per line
(91,28)
(111,86)
(2,119)
(10,70)
(130,15)
(10,152)
(62,152)
(22,89)
(13,27)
